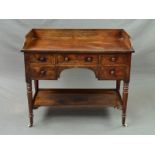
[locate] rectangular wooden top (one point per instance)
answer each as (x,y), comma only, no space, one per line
(78,40)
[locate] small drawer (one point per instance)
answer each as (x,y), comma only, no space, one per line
(77,59)
(115,59)
(41,58)
(113,73)
(44,72)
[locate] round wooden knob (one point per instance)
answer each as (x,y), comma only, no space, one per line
(42,59)
(112,71)
(42,72)
(66,59)
(113,59)
(89,59)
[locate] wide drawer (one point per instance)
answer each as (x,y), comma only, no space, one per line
(113,73)
(44,72)
(77,59)
(114,59)
(42,58)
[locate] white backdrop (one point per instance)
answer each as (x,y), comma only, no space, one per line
(13,111)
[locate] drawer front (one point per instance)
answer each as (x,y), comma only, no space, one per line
(77,59)
(115,59)
(42,58)
(114,73)
(44,72)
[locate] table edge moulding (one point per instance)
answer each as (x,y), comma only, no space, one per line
(107,52)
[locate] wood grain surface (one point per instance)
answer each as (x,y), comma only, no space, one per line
(73,40)
(78,97)
(107,52)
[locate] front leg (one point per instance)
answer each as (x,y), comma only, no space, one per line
(36,85)
(118,83)
(30,102)
(125,99)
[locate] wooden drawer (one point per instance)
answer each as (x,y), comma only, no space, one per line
(77,59)
(113,73)
(41,58)
(114,59)
(43,72)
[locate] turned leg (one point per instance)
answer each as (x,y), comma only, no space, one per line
(118,82)
(30,102)
(36,85)
(125,99)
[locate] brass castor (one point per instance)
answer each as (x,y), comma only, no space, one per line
(124,125)
(35,108)
(30,125)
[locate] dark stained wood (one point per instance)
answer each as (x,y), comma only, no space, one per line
(77,59)
(106,52)
(78,97)
(36,85)
(115,59)
(118,83)
(41,58)
(113,73)
(45,72)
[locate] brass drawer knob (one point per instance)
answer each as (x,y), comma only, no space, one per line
(66,59)
(112,72)
(42,72)
(89,59)
(113,59)
(42,59)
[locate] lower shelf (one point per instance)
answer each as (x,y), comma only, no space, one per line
(78,98)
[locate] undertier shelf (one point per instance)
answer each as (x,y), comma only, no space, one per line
(78,98)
